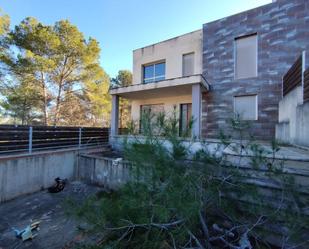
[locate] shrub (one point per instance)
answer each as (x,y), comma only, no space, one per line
(174,202)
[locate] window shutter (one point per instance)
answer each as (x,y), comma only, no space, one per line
(246,57)
(246,107)
(188,64)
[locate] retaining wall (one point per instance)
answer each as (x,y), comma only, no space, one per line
(25,174)
(102,171)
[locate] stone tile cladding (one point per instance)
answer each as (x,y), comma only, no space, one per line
(283,33)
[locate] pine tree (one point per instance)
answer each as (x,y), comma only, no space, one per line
(58,60)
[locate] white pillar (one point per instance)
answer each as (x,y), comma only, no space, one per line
(114,115)
(196,110)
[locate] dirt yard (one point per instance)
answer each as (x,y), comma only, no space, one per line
(57,229)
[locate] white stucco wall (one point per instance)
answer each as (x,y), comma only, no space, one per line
(302,125)
(168,103)
(287,113)
(288,104)
(293,125)
(171,51)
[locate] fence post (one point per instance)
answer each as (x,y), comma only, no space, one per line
(30,140)
(80,138)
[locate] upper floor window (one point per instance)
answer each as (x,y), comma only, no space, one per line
(154,72)
(246,57)
(188,64)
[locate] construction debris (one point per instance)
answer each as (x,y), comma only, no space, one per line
(29,232)
(58,186)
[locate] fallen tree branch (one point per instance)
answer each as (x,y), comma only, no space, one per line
(164,226)
(196,240)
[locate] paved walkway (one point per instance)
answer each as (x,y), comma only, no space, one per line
(56,229)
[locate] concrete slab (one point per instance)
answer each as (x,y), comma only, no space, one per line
(57,229)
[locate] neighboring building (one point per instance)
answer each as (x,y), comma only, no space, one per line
(233,65)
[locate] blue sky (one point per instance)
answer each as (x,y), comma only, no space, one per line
(123,25)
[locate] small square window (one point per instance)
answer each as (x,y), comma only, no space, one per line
(246,57)
(246,107)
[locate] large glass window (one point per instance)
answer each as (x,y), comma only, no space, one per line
(246,57)
(154,72)
(149,115)
(188,64)
(246,107)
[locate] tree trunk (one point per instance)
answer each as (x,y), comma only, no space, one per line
(44,100)
(57,105)
(23,116)
(60,84)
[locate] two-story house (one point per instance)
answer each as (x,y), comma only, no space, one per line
(167,76)
(232,65)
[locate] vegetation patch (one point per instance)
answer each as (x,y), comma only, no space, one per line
(175,200)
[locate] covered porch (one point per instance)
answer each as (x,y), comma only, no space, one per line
(183,94)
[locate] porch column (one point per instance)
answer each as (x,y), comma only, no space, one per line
(114,115)
(196,110)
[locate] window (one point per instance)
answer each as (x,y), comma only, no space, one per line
(185,118)
(152,109)
(188,64)
(148,115)
(246,107)
(154,72)
(246,57)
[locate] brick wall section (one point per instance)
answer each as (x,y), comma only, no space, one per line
(283,33)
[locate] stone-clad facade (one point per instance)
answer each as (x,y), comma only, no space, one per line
(282,30)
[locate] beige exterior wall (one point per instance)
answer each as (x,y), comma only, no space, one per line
(168,103)
(171,51)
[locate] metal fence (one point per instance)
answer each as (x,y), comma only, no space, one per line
(27,139)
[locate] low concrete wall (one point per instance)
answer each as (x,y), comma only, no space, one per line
(292,161)
(102,171)
(302,125)
(25,174)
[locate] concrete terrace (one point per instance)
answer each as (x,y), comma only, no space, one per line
(57,229)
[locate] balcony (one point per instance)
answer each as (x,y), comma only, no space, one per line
(179,86)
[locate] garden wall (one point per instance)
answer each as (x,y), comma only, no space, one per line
(103,171)
(25,174)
